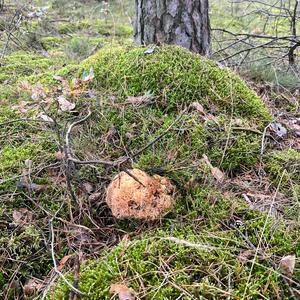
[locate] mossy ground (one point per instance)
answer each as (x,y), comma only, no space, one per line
(207,212)
(212,259)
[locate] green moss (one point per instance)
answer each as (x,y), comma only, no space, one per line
(47,78)
(23,64)
(12,160)
(20,65)
(106,28)
(78,48)
(110,29)
(52,42)
(283,168)
(14,155)
(176,77)
(68,27)
(158,268)
(288,162)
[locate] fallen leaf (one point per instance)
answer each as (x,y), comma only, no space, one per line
(136,100)
(293,125)
(31,287)
(59,155)
(205,116)
(88,187)
(63,261)
(22,216)
(198,107)
(46,118)
(25,86)
(88,77)
(32,187)
(57,177)
(58,78)
(216,172)
(64,104)
(38,92)
(25,183)
(287,264)
(278,129)
(22,107)
(95,197)
(150,50)
(122,291)
(244,256)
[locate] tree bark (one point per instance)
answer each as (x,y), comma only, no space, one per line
(180,22)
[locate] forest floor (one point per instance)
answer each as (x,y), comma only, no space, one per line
(74,83)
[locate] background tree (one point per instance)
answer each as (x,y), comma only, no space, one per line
(180,22)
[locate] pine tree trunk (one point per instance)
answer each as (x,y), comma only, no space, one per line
(180,22)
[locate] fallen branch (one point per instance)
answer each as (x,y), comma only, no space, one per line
(189,244)
(118,162)
(74,289)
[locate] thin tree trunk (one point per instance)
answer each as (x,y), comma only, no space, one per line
(180,22)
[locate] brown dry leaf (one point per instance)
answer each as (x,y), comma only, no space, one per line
(293,125)
(22,216)
(76,84)
(88,187)
(84,189)
(57,178)
(244,256)
(38,92)
(25,86)
(95,197)
(25,183)
(63,261)
(58,78)
(122,291)
(59,155)
(46,118)
(278,129)
(31,287)
(205,116)
(64,104)
(216,172)
(136,100)
(198,107)
(287,264)
(22,107)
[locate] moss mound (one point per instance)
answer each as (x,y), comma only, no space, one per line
(22,64)
(160,268)
(176,261)
(176,77)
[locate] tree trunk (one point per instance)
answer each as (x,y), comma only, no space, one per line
(180,22)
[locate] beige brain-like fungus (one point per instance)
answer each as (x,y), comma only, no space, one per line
(127,198)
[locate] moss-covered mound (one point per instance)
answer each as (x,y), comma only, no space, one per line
(22,64)
(176,77)
(199,250)
(228,132)
(195,257)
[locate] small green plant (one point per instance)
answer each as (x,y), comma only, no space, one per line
(78,48)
